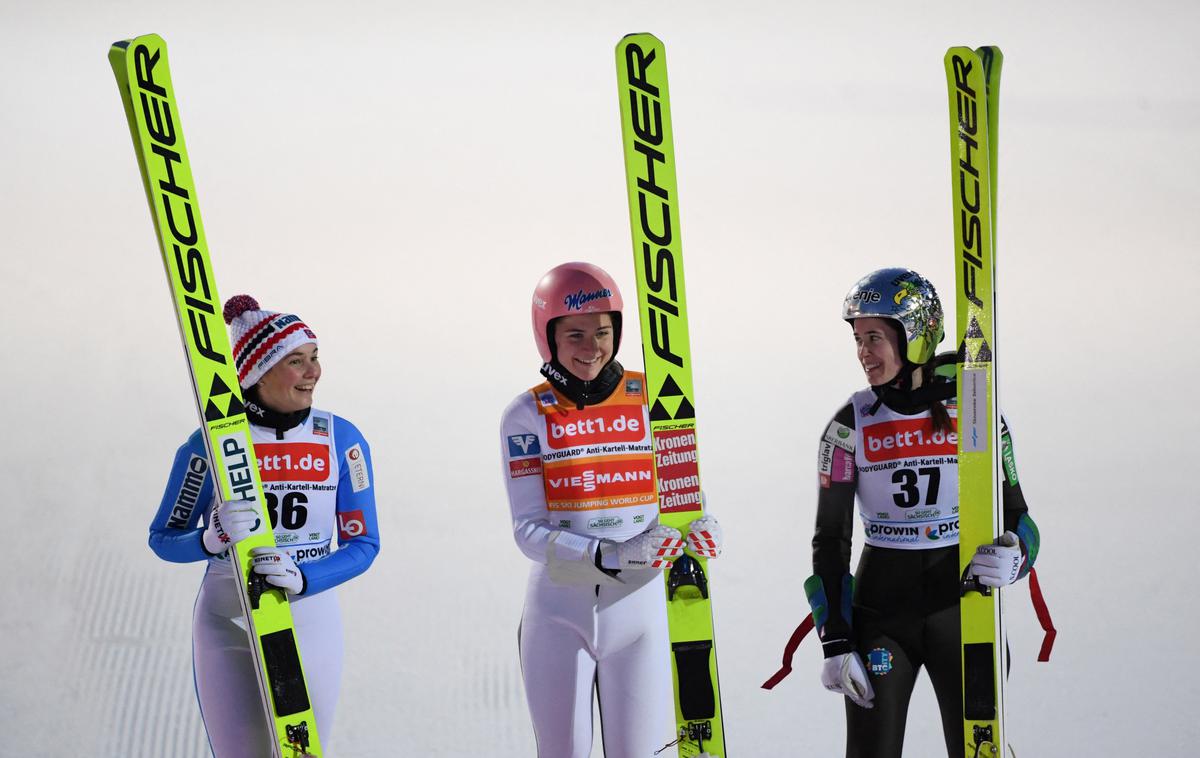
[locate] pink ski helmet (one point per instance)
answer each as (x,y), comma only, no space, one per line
(568,290)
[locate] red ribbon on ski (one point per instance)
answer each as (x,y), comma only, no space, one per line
(1043,616)
(789,650)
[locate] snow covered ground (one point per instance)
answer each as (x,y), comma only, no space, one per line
(401,174)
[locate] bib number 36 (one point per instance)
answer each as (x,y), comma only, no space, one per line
(291,510)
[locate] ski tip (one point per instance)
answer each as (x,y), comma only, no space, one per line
(959,51)
(150,40)
(644,36)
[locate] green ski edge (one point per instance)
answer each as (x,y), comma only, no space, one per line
(144,79)
(662,311)
(972,80)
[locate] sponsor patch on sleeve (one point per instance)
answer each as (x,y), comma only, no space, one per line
(843,466)
(320,426)
(351,524)
(825,462)
(1006,454)
(523,446)
(357,463)
(524,467)
(189,491)
(840,435)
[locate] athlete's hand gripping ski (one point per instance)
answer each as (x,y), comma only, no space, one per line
(655,548)
(230,522)
(705,537)
(846,674)
(278,568)
(999,564)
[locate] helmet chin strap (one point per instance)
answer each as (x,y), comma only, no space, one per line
(900,395)
(900,383)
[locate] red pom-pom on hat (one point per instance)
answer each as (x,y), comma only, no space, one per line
(237,305)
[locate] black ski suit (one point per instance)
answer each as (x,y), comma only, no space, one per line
(905,599)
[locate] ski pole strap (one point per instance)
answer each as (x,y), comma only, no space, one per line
(789,650)
(1043,616)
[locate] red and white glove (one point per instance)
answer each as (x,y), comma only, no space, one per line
(229,522)
(705,537)
(279,569)
(998,565)
(846,674)
(654,548)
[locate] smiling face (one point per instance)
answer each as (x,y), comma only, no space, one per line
(878,350)
(584,343)
(288,386)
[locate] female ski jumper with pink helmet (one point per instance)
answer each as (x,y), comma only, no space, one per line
(578,466)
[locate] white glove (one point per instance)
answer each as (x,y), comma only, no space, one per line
(279,569)
(705,537)
(846,674)
(229,522)
(1000,564)
(654,548)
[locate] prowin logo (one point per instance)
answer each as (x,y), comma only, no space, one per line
(176,206)
(967,107)
(305,554)
(658,262)
(941,530)
(576,300)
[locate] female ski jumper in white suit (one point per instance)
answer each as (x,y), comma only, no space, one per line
(579,470)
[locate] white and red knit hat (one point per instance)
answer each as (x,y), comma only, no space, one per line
(260,339)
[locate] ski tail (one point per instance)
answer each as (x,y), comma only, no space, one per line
(973,84)
(148,96)
(662,310)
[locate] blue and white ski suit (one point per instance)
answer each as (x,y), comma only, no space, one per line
(318,483)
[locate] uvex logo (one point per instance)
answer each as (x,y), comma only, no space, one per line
(967,108)
(657,226)
(175,203)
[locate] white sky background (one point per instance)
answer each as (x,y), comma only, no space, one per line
(401,176)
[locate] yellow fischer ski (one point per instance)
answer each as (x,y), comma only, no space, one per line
(662,310)
(144,80)
(973,83)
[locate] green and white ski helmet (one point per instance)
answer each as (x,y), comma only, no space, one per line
(906,297)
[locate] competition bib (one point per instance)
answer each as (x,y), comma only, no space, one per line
(300,477)
(597,464)
(907,477)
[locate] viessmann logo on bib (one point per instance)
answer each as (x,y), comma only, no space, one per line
(608,478)
(907,438)
(612,424)
(292,461)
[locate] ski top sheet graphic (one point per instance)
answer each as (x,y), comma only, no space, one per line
(662,311)
(144,80)
(973,84)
